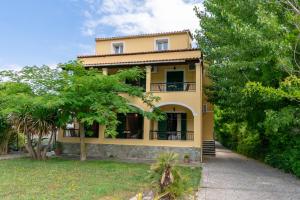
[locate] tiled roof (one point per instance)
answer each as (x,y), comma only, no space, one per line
(136,53)
(130,63)
(144,35)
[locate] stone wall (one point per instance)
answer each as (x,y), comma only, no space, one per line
(130,151)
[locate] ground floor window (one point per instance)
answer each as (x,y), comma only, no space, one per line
(131,126)
(91,131)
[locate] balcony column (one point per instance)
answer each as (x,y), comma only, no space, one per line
(148,89)
(148,78)
(198,115)
(105,71)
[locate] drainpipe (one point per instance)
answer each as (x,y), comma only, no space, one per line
(201,111)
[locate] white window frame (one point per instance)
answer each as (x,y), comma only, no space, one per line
(157,39)
(117,43)
(155,69)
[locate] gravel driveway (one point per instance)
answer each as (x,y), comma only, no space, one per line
(231,176)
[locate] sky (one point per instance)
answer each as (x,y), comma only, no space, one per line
(48,32)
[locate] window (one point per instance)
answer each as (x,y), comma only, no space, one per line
(91,131)
(131,126)
(118,48)
(162,44)
(154,69)
(141,82)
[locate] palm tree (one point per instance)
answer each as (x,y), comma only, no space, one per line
(35,123)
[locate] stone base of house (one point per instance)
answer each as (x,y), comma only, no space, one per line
(130,151)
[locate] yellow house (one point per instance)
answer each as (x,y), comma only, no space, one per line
(176,73)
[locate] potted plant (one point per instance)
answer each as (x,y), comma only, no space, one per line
(58,148)
(186,158)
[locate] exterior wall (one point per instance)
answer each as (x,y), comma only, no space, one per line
(192,101)
(208,126)
(189,102)
(160,75)
(141,44)
(117,58)
(131,151)
(179,109)
(208,117)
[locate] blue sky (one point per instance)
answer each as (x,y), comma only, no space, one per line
(37,32)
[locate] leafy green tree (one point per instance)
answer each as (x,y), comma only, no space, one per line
(90,96)
(245,41)
(39,101)
(5,135)
(30,104)
(253,51)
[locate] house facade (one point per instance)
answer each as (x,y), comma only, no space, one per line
(176,73)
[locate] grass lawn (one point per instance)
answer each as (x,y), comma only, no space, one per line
(71,179)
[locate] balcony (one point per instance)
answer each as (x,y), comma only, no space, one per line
(172,135)
(173,87)
(71,132)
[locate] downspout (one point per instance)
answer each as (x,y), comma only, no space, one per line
(201,78)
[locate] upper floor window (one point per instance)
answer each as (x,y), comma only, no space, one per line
(118,48)
(162,44)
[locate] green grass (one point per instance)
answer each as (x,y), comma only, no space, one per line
(71,179)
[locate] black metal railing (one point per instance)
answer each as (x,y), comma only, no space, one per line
(173,86)
(71,132)
(128,134)
(171,135)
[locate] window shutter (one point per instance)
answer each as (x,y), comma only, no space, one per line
(162,128)
(183,126)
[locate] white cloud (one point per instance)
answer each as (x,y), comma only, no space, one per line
(134,17)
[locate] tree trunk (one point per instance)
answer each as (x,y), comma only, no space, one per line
(38,147)
(82,143)
(4,143)
(4,148)
(29,147)
(48,145)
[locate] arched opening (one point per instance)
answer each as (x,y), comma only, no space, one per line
(178,124)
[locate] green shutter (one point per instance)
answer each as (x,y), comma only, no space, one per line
(162,128)
(121,126)
(183,126)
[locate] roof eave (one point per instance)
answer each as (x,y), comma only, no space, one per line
(137,53)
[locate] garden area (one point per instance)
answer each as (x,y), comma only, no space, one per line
(71,179)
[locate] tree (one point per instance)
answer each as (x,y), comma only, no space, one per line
(39,101)
(30,103)
(252,48)
(5,135)
(90,96)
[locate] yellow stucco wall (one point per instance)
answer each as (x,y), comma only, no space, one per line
(160,75)
(177,109)
(177,41)
(186,101)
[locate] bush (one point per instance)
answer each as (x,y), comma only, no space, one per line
(167,180)
(17,141)
(276,141)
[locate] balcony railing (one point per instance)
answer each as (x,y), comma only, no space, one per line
(171,135)
(71,132)
(176,86)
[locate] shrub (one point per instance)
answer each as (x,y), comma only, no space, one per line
(167,180)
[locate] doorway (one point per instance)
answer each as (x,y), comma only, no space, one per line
(175,80)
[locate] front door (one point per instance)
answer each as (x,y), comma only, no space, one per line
(175,81)
(173,127)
